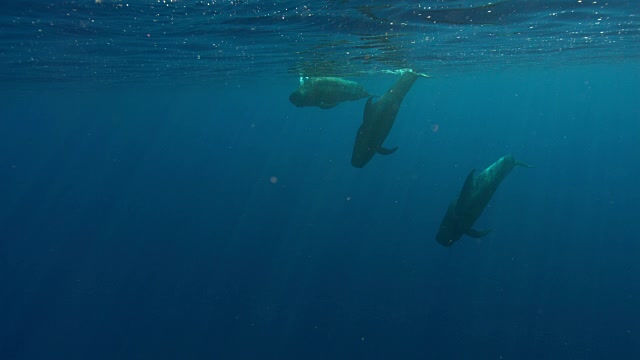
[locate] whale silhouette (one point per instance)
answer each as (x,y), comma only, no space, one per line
(326,92)
(378,119)
(473,198)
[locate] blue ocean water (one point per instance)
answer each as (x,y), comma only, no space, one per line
(162,198)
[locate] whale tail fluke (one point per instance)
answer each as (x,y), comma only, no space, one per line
(424,75)
(402,71)
(476,234)
(519,163)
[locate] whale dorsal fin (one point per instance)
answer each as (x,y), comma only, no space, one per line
(367,107)
(478,233)
(467,189)
(385,151)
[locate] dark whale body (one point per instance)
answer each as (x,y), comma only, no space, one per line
(326,92)
(473,198)
(378,119)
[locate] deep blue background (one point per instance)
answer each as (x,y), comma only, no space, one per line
(141,222)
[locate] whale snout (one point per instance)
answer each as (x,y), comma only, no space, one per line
(357,162)
(297,98)
(446,236)
(362,153)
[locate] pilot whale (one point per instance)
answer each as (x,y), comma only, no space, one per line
(473,198)
(378,119)
(326,92)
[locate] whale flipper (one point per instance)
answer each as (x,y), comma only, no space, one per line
(478,233)
(324,105)
(385,151)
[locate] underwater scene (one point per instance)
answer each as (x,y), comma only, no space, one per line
(242,179)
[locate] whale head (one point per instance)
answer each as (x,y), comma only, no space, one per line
(362,150)
(446,235)
(298,99)
(449,231)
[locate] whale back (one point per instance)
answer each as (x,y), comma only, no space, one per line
(490,178)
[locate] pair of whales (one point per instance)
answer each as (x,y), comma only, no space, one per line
(377,121)
(378,118)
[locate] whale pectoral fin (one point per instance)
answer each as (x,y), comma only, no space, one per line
(478,233)
(324,105)
(467,189)
(385,151)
